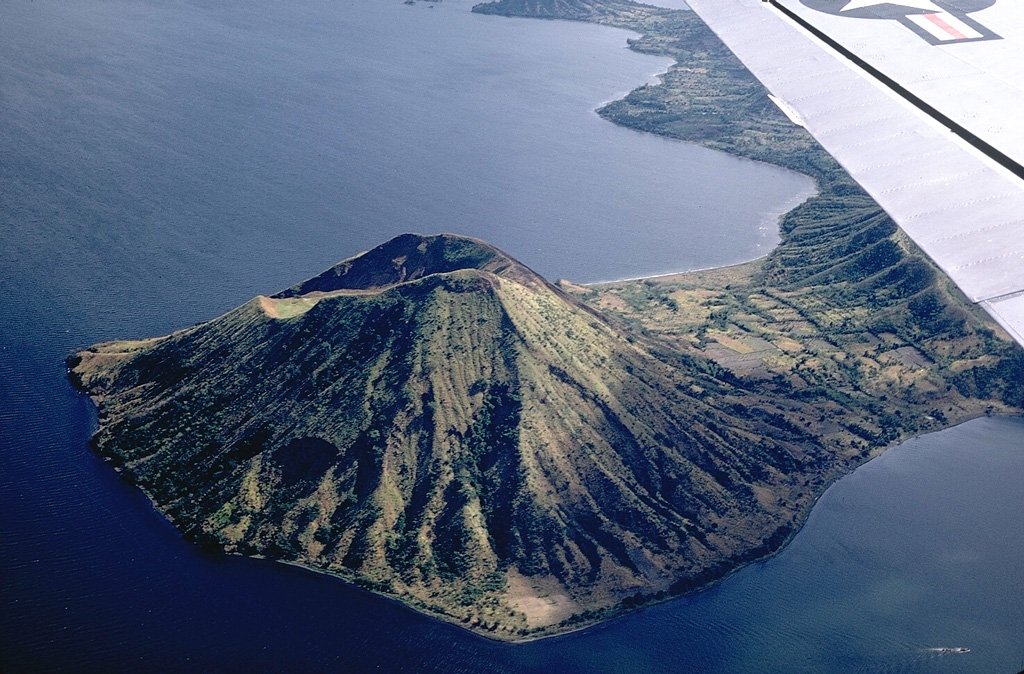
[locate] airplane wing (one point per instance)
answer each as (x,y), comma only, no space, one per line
(921,102)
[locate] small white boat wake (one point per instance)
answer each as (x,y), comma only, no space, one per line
(949,650)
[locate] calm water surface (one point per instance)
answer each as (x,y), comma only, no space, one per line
(161,162)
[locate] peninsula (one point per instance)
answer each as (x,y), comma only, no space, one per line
(435,422)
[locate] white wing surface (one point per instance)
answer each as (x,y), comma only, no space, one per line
(923,104)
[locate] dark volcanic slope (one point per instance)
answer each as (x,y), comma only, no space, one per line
(410,257)
(433,420)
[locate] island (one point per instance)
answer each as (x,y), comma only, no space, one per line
(435,422)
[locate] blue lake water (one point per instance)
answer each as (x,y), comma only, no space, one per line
(162,162)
